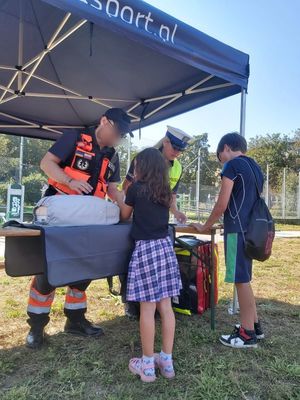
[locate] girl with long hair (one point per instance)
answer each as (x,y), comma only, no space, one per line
(153,275)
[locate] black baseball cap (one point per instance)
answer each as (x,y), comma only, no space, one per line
(121,119)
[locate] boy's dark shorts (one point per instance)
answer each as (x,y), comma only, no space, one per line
(238,265)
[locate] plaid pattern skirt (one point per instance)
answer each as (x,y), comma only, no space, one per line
(153,272)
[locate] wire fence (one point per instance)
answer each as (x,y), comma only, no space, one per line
(284,203)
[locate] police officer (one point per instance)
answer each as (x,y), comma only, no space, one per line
(83,163)
(171,146)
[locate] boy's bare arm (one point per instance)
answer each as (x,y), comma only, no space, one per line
(220,206)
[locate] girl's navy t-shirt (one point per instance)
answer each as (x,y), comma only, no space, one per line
(244,191)
(150,220)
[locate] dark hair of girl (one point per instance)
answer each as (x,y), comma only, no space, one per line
(152,170)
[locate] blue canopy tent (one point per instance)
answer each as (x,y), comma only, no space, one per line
(64,62)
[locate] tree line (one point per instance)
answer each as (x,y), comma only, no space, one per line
(276,150)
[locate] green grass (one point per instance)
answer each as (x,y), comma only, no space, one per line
(287,227)
(74,368)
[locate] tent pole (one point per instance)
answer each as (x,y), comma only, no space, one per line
(21,44)
(20,63)
(235,304)
(128,152)
(243,112)
(198,184)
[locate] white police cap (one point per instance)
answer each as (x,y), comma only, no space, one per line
(178,138)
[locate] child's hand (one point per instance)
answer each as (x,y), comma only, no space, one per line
(180,217)
(119,197)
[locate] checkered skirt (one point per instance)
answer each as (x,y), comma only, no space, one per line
(153,272)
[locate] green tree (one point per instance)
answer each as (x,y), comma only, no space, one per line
(122,150)
(33,179)
(276,150)
(9,158)
(189,159)
(34,151)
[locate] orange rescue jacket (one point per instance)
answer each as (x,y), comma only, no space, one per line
(84,154)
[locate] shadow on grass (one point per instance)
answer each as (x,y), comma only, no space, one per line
(78,368)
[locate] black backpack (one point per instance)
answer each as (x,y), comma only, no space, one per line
(260,232)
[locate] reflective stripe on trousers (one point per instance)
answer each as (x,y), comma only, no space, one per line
(75,299)
(39,303)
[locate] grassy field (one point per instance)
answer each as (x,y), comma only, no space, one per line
(74,368)
(287,227)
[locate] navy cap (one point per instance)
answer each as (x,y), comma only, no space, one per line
(179,139)
(121,119)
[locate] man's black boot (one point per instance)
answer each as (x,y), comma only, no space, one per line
(82,327)
(132,310)
(36,335)
(35,338)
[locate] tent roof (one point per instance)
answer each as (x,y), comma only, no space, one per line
(64,62)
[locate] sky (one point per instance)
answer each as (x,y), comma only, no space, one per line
(267,30)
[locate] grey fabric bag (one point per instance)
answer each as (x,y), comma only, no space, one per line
(75,210)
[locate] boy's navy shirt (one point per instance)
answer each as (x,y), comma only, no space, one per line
(244,191)
(150,220)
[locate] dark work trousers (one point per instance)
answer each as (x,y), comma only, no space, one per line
(43,288)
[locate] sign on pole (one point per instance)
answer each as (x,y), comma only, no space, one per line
(15,202)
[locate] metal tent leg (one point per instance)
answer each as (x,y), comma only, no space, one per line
(243,112)
(234,307)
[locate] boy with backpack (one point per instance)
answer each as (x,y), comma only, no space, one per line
(242,183)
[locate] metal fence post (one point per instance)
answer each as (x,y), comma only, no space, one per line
(298,208)
(283,193)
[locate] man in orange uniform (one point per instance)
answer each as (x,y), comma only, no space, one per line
(83,163)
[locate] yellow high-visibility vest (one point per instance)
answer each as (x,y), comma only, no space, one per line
(175,171)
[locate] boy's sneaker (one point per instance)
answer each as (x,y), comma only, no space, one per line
(240,339)
(258,331)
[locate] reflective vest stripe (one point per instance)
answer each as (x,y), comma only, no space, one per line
(75,299)
(102,184)
(175,172)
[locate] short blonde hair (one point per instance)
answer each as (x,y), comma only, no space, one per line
(159,144)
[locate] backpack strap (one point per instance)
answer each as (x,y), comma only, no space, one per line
(238,217)
(258,193)
(255,178)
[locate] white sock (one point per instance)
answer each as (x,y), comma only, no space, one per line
(148,361)
(167,357)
